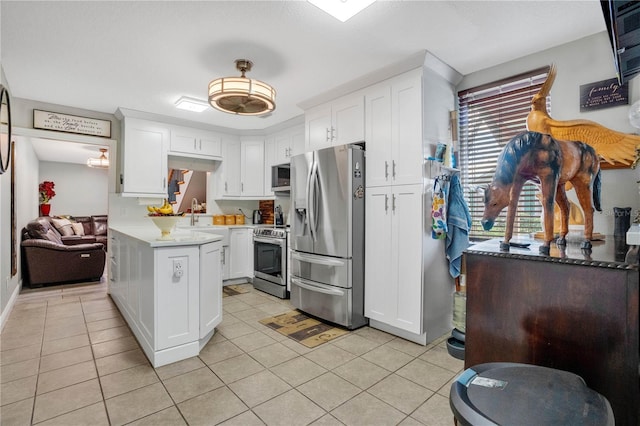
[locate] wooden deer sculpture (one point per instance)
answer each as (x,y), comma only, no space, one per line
(537,157)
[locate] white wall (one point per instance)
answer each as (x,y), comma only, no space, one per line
(584,61)
(26,182)
(80,190)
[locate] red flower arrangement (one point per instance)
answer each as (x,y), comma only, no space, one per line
(46,191)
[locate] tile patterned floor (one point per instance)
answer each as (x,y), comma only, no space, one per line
(68,358)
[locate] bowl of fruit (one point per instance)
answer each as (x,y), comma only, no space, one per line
(165,219)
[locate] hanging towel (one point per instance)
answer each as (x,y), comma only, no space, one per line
(458,225)
(439,210)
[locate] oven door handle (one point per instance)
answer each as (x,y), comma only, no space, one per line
(316,260)
(274,241)
(311,287)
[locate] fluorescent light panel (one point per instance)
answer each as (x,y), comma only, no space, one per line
(191,104)
(342,9)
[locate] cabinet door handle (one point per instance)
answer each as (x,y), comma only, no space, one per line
(386,203)
(393,168)
(328,138)
(225,187)
(242,187)
(393,203)
(195,144)
(164,183)
(386,170)
(200,144)
(333,136)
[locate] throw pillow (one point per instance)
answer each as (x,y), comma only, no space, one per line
(63,226)
(78,229)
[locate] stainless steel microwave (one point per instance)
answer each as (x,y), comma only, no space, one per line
(280,177)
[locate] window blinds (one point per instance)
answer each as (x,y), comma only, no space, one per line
(489,116)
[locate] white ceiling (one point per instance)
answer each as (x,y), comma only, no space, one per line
(144,55)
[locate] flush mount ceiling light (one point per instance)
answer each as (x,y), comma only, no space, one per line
(99,163)
(191,104)
(242,95)
(342,9)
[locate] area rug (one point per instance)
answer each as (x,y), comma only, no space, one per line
(233,290)
(303,329)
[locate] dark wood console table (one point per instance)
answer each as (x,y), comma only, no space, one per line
(573,310)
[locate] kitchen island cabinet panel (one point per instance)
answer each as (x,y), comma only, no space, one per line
(578,315)
(171,295)
(210,288)
(177,296)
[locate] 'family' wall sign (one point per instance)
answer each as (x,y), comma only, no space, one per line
(603,94)
(71,123)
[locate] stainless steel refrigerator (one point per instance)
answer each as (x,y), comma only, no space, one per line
(327,234)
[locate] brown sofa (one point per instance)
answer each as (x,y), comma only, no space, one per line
(48,257)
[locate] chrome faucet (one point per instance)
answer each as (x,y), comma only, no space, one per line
(194,218)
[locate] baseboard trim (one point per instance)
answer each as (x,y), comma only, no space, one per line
(10,304)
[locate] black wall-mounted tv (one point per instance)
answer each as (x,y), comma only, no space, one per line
(623,25)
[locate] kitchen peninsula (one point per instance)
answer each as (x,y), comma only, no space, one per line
(169,292)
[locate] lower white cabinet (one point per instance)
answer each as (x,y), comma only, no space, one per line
(393,256)
(210,287)
(240,253)
(171,296)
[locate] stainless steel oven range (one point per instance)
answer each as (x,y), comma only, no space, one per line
(270,261)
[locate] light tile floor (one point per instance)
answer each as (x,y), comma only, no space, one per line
(68,358)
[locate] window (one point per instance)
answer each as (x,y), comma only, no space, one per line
(489,117)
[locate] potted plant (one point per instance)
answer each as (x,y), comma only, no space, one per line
(46,194)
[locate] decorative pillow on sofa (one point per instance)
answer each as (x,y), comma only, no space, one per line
(63,226)
(78,228)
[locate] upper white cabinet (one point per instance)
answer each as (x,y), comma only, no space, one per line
(195,143)
(393,132)
(144,158)
(252,168)
(241,172)
(286,144)
(336,123)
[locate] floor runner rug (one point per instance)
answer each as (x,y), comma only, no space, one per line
(308,331)
(232,290)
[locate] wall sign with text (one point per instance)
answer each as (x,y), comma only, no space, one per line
(603,94)
(71,123)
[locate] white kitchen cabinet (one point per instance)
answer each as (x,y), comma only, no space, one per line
(170,296)
(241,173)
(393,131)
(252,168)
(144,158)
(210,287)
(226,262)
(287,144)
(241,253)
(195,143)
(408,288)
(177,296)
(336,123)
(393,255)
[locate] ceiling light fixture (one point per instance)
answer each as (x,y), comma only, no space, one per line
(342,9)
(191,104)
(99,163)
(242,95)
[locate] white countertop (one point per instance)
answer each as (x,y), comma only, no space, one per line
(181,236)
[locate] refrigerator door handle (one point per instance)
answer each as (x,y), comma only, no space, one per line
(316,260)
(308,286)
(312,199)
